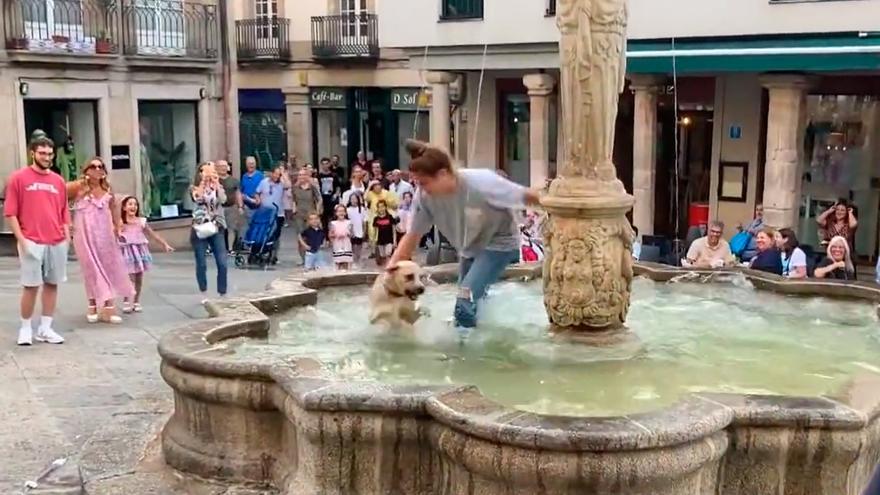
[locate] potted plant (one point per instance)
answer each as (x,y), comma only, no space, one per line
(18,43)
(103,44)
(58,38)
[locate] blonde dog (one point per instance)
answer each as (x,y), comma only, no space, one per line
(394,295)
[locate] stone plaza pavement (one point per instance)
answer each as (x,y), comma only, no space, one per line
(98,400)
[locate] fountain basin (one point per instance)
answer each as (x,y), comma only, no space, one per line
(283,422)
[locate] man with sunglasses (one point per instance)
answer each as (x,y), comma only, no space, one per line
(36,209)
(710,251)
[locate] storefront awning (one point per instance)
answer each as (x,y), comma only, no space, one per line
(848,52)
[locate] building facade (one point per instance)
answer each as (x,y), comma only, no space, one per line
(728,104)
(314,82)
(139,83)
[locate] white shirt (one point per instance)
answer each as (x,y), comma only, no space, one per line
(400,188)
(798,259)
(346,196)
(358,218)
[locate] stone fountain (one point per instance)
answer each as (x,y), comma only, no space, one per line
(588,272)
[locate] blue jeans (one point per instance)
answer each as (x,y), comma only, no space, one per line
(200,249)
(312,261)
(474,278)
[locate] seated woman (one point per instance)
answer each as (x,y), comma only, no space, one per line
(794,260)
(767,258)
(838,265)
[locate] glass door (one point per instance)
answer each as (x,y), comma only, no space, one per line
(160,27)
(267,17)
(515,138)
(354,19)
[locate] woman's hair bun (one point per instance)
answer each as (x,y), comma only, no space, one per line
(415,148)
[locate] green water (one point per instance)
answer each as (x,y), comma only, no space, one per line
(694,337)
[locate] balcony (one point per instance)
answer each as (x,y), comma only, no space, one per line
(171,28)
(263,40)
(345,37)
(164,28)
(62,26)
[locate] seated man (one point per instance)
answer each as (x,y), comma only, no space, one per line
(710,251)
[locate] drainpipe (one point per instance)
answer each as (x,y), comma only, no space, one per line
(227,61)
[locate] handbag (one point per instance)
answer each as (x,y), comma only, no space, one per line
(205,229)
(739,243)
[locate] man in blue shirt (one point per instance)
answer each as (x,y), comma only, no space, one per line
(270,194)
(250,181)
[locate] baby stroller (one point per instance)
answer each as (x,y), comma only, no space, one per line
(259,245)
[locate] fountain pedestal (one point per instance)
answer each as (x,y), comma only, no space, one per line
(588,269)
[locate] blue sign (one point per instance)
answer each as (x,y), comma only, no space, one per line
(736,131)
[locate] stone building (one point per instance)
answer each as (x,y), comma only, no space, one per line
(313,81)
(137,82)
(768,100)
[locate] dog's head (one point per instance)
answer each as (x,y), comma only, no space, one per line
(405,278)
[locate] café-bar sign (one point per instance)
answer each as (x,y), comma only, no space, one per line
(410,99)
(328,97)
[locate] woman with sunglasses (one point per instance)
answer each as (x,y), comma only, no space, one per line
(96,227)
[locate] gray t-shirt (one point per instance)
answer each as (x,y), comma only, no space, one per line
(484,202)
(272,194)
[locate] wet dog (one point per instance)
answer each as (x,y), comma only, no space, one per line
(394,296)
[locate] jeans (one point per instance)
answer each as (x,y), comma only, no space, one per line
(474,278)
(312,260)
(200,248)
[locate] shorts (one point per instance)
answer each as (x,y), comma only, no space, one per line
(384,250)
(357,241)
(43,264)
(312,261)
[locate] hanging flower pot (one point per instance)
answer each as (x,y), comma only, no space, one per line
(57,38)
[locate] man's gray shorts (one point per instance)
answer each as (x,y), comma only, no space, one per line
(43,264)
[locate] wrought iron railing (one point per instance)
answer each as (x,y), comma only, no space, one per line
(72,26)
(345,36)
(263,39)
(461,9)
(175,28)
(551,7)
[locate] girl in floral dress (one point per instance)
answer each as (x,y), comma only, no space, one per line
(341,231)
(136,249)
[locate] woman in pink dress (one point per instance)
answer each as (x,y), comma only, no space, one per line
(95,230)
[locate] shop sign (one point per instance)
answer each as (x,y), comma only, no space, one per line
(410,99)
(120,157)
(328,98)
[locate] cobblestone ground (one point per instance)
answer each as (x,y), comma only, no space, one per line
(98,399)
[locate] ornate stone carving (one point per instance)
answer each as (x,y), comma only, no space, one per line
(588,269)
(588,272)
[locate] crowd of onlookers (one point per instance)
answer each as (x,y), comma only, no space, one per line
(763,248)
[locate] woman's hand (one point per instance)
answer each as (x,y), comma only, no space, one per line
(839,264)
(168,248)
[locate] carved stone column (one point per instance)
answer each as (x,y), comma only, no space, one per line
(785,136)
(645,89)
(588,271)
(439,81)
(540,88)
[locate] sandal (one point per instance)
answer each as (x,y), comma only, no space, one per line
(92,315)
(127,307)
(137,308)
(113,318)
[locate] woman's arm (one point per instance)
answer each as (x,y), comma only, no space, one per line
(405,248)
(821,219)
(798,272)
(853,222)
(75,187)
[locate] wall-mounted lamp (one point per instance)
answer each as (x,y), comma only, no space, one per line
(203,93)
(23,88)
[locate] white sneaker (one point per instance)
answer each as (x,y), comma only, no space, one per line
(25,336)
(49,336)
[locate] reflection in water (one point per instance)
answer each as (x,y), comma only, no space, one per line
(722,337)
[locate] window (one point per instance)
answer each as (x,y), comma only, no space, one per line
(168,157)
(551,7)
(354,13)
(462,9)
(267,15)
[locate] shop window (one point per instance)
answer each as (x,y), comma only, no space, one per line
(462,9)
(331,133)
(168,157)
(840,162)
(264,136)
(71,124)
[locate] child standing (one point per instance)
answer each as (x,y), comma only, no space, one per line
(404,212)
(136,248)
(357,215)
(384,224)
(311,240)
(341,232)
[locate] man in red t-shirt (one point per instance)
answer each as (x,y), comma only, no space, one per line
(36,209)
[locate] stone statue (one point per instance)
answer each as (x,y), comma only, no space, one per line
(588,267)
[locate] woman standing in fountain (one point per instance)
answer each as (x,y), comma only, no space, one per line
(96,225)
(473,208)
